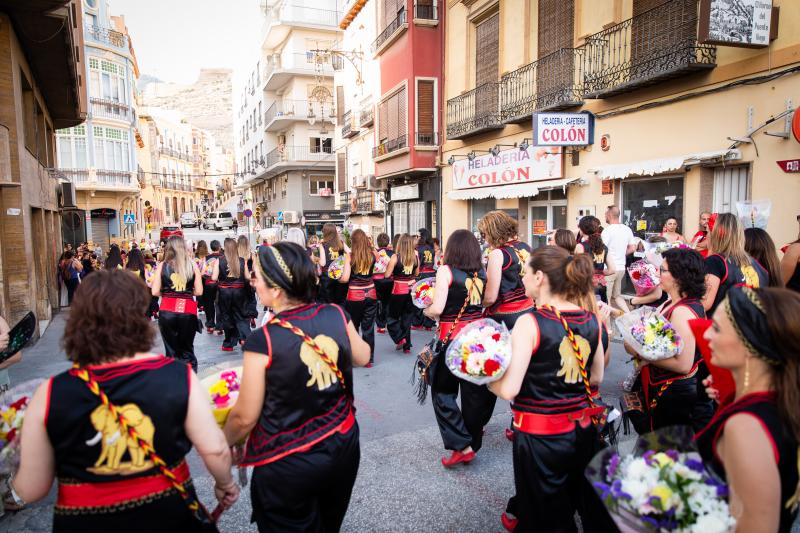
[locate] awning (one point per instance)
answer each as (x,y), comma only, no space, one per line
(521,190)
(651,167)
(351,13)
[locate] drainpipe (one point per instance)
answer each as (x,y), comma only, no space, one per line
(442,8)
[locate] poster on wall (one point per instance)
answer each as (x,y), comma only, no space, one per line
(744,23)
(509,167)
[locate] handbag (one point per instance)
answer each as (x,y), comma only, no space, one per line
(198,510)
(424,365)
(634,413)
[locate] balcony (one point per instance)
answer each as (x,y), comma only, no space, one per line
(280,18)
(425,11)
(107,36)
(285,158)
(170,152)
(390,33)
(102,108)
(474,112)
(283,113)
(78,176)
(366,202)
(427,139)
(344,202)
(389,146)
(281,68)
(366,117)
(348,129)
(112,180)
(653,46)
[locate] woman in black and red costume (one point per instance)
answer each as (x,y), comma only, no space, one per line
(403,267)
(105,481)
(296,400)
(426,254)
(753,441)
(362,299)
(550,381)
(232,275)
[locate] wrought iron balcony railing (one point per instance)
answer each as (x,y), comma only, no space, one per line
(365,202)
(115,178)
(347,126)
(474,111)
(76,175)
(389,146)
(427,139)
(367,116)
(551,83)
(389,30)
(103,108)
(287,154)
(426,10)
(659,44)
(344,202)
(107,36)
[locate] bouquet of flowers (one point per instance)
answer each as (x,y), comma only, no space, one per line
(661,486)
(381,263)
(12,414)
(422,292)
(754,214)
(149,274)
(336,268)
(644,276)
(650,334)
(485,256)
(223,387)
(207,268)
(481,352)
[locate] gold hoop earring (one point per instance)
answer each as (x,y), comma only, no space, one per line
(746,375)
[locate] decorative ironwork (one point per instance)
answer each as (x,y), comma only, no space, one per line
(108,36)
(365,202)
(426,11)
(389,30)
(427,139)
(344,202)
(389,146)
(367,116)
(474,111)
(347,129)
(658,44)
(551,83)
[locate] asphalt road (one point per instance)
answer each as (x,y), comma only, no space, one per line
(401,485)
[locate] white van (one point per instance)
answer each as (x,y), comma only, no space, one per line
(219,220)
(189,220)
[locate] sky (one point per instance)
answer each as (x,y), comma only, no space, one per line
(174,39)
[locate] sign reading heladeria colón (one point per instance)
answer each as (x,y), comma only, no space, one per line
(563,129)
(510,167)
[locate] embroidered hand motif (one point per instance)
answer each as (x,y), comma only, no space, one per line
(570,367)
(321,374)
(476,295)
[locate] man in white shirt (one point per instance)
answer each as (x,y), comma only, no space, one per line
(620,242)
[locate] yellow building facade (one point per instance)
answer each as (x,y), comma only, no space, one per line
(681,126)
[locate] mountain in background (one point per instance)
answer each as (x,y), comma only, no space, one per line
(206,103)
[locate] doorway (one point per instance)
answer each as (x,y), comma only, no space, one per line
(545,215)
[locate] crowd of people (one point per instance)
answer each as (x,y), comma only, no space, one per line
(295,411)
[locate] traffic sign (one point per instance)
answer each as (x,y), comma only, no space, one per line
(129,218)
(248,213)
(280,215)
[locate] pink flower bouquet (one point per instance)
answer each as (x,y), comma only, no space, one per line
(481,352)
(422,292)
(644,276)
(381,263)
(336,268)
(223,388)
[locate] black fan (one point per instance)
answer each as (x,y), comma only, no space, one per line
(19,336)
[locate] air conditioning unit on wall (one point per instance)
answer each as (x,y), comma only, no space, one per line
(375,184)
(360,182)
(291,217)
(68,196)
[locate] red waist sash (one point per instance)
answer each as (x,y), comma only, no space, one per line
(178,305)
(402,287)
(359,294)
(231,285)
(541,424)
(116,493)
(510,308)
(444,328)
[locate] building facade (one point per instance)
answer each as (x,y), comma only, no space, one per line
(357,81)
(285,118)
(409,49)
(677,130)
(99,156)
(41,89)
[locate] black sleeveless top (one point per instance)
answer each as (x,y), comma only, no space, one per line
(515,255)
(401,273)
(762,406)
(659,375)
(361,278)
(330,256)
(599,259)
(426,258)
(793,283)
(226,281)
(553,382)
(304,402)
(174,286)
(731,275)
(460,284)
(153,394)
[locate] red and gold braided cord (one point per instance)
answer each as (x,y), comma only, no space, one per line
(311,344)
(660,392)
(93,386)
(581,361)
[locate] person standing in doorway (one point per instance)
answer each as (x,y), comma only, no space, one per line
(70,269)
(620,242)
(700,239)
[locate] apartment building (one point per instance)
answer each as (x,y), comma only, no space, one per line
(286,114)
(42,77)
(359,193)
(99,156)
(682,116)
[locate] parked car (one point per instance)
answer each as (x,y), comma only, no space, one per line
(220,220)
(169,231)
(188,220)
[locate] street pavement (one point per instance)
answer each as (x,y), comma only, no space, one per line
(401,485)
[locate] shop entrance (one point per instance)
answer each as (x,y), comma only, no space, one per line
(648,203)
(546,214)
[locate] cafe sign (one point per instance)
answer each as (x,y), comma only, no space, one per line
(563,129)
(509,167)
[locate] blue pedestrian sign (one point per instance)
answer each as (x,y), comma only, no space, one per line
(280,215)
(129,218)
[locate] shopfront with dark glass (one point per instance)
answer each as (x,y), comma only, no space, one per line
(647,203)
(414,206)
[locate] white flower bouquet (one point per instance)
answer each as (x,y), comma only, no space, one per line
(754,214)
(381,262)
(12,414)
(650,334)
(481,352)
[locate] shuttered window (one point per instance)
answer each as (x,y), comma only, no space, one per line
(392,116)
(556,25)
(657,33)
(341,172)
(425,107)
(730,186)
(488,50)
(339,104)
(391,9)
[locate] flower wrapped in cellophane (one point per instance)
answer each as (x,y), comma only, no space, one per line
(422,292)
(381,262)
(754,214)
(662,485)
(650,334)
(149,275)
(222,385)
(481,352)
(336,268)
(12,413)
(644,276)
(207,268)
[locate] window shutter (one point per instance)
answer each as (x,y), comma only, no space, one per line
(383,120)
(488,53)
(556,25)
(341,171)
(394,118)
(402,114)
(425,107)
(339,104)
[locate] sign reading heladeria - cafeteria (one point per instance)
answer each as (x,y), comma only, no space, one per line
(510,167)
(563,129)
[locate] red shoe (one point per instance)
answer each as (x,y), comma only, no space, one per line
(406,351)
(227,348)
(209,330)
(510,524)
(252,323)
(219,332)
(368,365)
(510,434)
(241,343)
(382,330)
(456,458)
(399,345)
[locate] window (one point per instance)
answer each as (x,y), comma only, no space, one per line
(392,117)
(29,110)
(111,148)
(107,80)
(166,206)
(71,143)
(400,217)
(321,145)
(730,186)
(317,183)
(425,106)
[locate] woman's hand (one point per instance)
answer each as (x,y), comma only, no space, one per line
(713,393)
(227,494)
